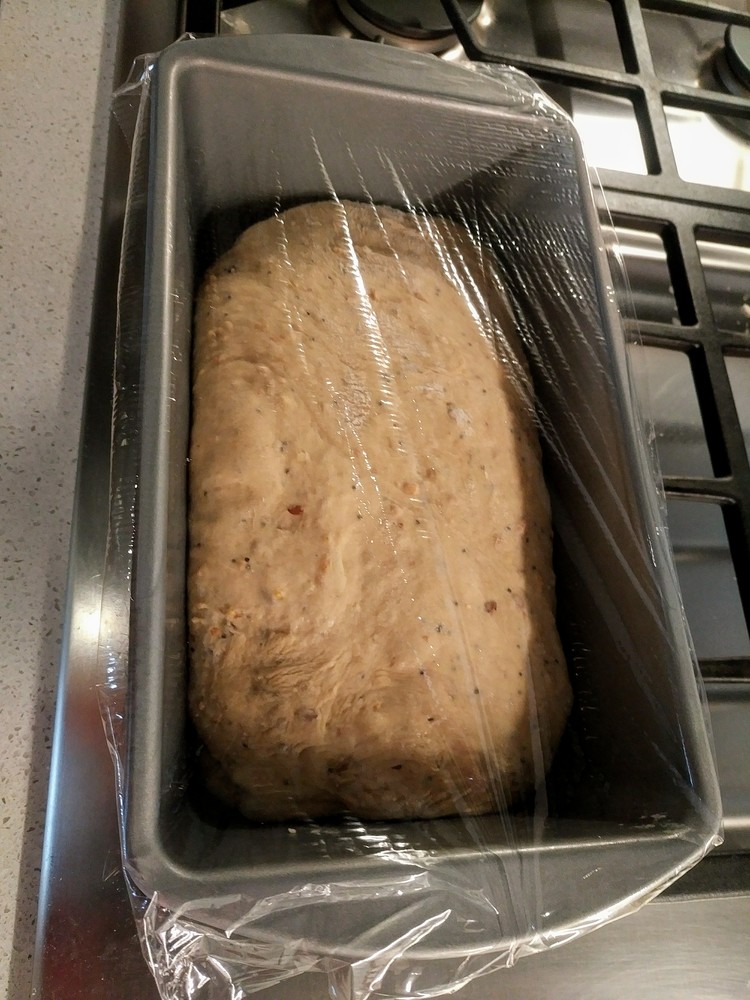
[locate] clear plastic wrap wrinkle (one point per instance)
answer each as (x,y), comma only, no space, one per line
(394,667)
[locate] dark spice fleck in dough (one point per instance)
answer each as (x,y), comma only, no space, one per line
(367,633)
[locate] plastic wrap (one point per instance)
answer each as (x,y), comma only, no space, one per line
(495,196)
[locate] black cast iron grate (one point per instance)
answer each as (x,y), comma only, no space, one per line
(681,212)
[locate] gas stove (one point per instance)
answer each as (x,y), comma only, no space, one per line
(660,93)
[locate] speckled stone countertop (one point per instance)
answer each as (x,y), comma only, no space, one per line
(55,82)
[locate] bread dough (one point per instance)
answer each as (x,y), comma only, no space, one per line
(371,596)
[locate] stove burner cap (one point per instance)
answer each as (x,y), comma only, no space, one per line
(419,19)
(737,51)
(732,70)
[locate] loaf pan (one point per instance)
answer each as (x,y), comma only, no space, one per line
(240,128)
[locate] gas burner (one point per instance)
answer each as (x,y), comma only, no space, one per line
(732,69)
(733,61)
(419,25)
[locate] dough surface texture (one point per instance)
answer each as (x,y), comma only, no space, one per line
(370,591)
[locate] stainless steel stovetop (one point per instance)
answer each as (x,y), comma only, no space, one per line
(645,81)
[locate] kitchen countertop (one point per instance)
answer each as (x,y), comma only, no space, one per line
(55,82)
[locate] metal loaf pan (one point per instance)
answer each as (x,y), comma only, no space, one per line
(240,127)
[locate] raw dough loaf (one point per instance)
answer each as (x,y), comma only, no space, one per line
(371,598)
